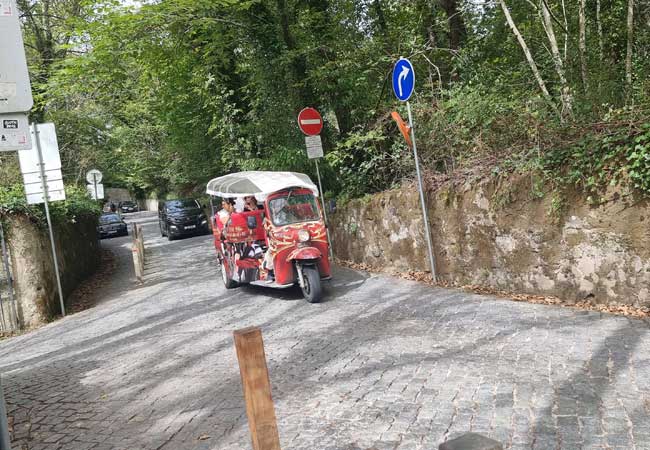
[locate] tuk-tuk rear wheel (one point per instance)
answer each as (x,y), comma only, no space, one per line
(228,282)
(311,288)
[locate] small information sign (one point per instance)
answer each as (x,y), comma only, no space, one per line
(14,132)
(96,191)
(314,146)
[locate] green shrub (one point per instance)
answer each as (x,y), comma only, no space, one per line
(76,205)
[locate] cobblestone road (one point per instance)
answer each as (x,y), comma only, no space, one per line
(382,364)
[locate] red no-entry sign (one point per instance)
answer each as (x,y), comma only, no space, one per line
(310,121)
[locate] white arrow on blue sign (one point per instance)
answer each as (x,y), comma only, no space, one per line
(403,79)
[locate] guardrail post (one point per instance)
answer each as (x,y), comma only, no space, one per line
(257,389)
(138,253)
(141,246)
(5,443)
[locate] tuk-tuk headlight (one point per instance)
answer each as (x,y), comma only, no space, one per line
(303,235)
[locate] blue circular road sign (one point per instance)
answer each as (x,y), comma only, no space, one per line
(403,79)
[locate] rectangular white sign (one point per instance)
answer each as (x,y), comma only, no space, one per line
(52,196)
(314,146)
(30,168)
(52,185)
(35,177)
(15,88)
(100,191)
(14,132)
(34,186)
(49,150)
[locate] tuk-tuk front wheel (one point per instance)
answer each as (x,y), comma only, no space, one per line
(228,282)
(311,285)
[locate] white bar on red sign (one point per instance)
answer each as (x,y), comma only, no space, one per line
(310,121)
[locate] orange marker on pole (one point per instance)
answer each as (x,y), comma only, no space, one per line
(403,127)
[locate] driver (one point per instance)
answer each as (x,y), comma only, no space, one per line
(278,208)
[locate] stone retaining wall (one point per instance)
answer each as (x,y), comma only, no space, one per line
(503,236)
(33,269)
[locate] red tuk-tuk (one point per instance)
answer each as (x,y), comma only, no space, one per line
(279,240)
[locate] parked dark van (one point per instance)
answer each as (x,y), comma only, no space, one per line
(128,207)
(181,217)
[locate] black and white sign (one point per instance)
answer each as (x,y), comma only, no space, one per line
(96,191)
(314,146)
(95,188)
(14,132)
(94,176)
(15,88)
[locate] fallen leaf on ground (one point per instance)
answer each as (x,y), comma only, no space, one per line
(425,277)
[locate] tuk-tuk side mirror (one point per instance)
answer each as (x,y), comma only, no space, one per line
(251,221)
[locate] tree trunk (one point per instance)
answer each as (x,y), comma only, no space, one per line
(298,63)
(428,13)
(325,29)
(599,25)
(630,42)
(457,30)
(381,20)
(526,50)
(566,30)
(565,90)
(582,45)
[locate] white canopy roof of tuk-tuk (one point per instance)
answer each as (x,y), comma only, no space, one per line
(258,183)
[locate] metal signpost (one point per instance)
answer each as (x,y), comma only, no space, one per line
(5,443)
(95,188)
(403,85)
(41,168)
(15,101)
(311,124)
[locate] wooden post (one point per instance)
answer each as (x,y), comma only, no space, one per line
(257,389)
(141,246)
(138,253)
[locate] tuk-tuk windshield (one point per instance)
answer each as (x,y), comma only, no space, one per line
(293,208)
